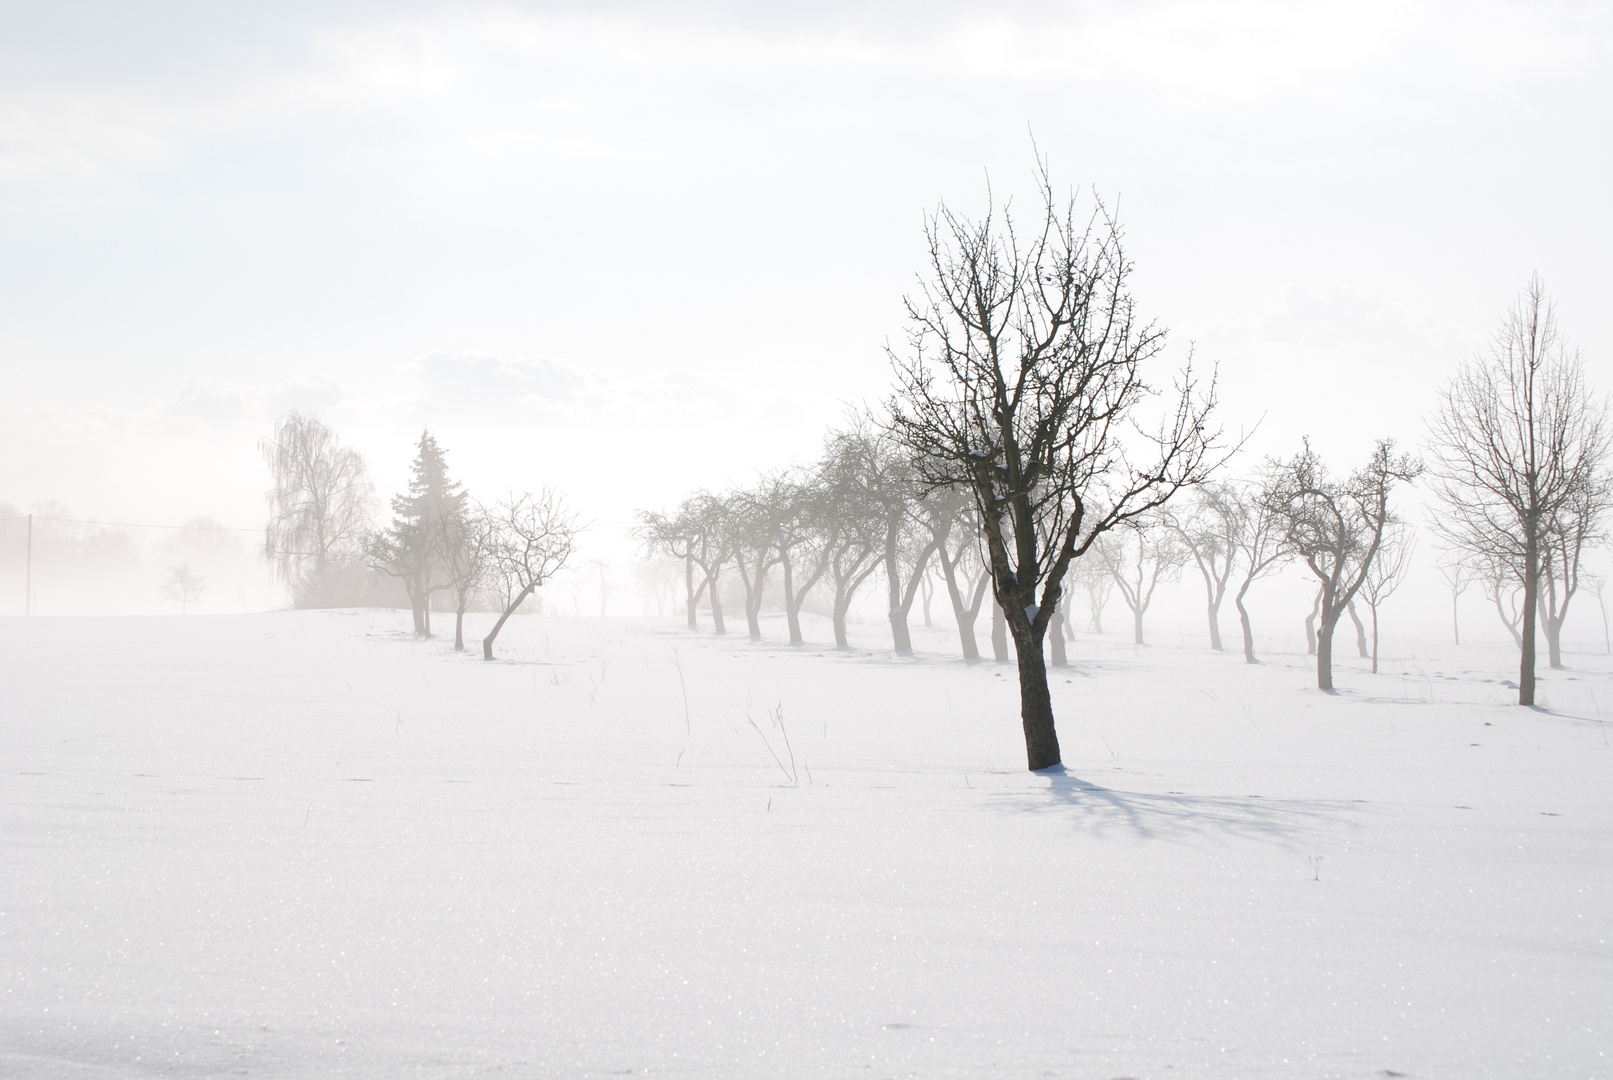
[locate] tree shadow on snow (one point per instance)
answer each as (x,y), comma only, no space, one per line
(1178,817)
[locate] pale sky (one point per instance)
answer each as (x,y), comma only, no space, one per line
(630,249)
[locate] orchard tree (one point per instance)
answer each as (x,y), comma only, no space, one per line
(1337,528)
(465,543)
(1208,532)
(184,585)
(532,537)
(1387,573)
(1139,557)
(1261,551)
(848,477)
(1520,444)
(1025,384)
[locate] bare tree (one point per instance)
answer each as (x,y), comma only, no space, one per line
(1499,579)
(1093,576)
(849,474)
(1519,439)
(1261,551)
(658,579)
(1457,574)
(1025,365)
(953,524)
(321,503)
(466,546)
(698,535)
(184,585)
(532,539)
(1139,557)
(1386,574)
(1573,530)
(1209,532)
(1360,630)
(807,535)
(1337,528)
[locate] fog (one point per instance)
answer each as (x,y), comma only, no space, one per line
(525,274)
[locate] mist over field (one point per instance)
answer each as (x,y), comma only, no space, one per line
(1034,540)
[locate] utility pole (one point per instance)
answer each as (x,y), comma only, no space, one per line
(28,587)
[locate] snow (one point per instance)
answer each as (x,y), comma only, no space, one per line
(306,844)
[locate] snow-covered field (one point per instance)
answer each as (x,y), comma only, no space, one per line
(306,844)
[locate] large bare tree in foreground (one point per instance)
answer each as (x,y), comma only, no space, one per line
(1024,386)
(1519,445)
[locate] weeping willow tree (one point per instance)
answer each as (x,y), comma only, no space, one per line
(321,503)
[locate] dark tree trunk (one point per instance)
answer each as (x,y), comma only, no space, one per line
(487,642)
(1531,597)
(1248,631)
(1360,631)
(1035,702)
(999,633)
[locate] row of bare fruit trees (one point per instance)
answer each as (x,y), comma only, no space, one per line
(1027,447)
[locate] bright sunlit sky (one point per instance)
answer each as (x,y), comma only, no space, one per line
(630,249)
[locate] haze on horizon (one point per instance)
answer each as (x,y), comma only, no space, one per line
(630,249)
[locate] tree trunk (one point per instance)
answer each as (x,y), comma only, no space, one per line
(1248,631)
(1324,653)
(842,606)
(999,633)
(459,630)
(1214,612)
(717,623)
(1137,624)
(487,642)
(1374,608)
(1056,638)
(1035,703)
(792,605)
(1456,626)
(1360,631)
(692,597)
(900,639)
(753,613)
(1554,639)
(1310,625)
(1531,588)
